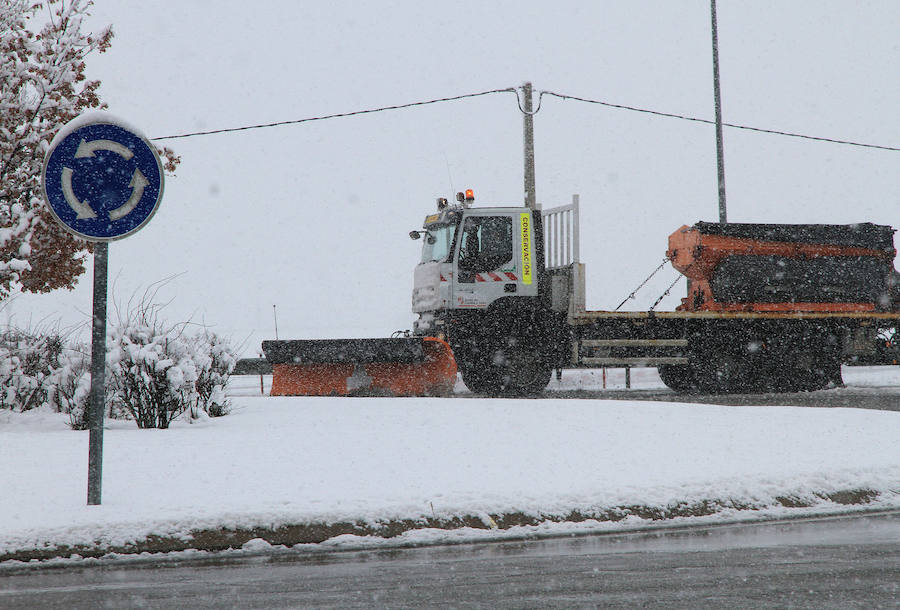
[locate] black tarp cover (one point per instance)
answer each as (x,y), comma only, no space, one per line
(861,235)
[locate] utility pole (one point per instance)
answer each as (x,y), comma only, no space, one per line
(528,124)
(720,148)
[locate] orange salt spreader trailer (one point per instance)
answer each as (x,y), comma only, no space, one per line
(784,268)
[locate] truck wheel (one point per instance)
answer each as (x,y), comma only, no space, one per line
(525,378)
(522,373)
(481,379)
(678,377)
(511,371)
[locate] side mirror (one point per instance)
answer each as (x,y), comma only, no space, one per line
(431,239)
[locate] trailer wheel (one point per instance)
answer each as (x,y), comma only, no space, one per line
(818,376)
(725,373)
(678,377)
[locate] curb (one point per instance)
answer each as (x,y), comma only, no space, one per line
(318,532)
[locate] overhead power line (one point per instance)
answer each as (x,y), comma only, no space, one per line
(541,95)
(337,115)
(709,122)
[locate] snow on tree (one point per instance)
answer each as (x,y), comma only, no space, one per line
(42,87)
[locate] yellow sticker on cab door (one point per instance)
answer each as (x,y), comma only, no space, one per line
(527,259)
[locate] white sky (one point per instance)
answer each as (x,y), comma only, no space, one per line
(313,218)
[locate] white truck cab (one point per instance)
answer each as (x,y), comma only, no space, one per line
(473,257)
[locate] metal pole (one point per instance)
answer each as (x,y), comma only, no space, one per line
(720,148)
(528,123)
(98,374)
(275,315)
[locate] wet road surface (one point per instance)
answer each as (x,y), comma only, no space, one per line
(831,563)
(886,399)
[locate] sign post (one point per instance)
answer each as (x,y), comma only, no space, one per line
(103,181)
(97,399)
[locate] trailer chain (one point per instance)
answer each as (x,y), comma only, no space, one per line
(666,293)
(642,284)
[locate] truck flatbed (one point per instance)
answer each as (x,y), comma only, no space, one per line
(589,317)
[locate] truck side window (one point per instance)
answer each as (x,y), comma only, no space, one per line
(485,245)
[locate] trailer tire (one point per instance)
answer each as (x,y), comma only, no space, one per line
(818,376)
(678,377)
(726,373)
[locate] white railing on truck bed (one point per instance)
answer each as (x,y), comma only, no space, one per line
(561,235)
(562,258)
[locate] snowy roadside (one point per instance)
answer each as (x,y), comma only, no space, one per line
(300,470)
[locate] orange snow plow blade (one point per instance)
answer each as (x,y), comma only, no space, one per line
(420,366)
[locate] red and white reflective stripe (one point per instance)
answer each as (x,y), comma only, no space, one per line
(443,279)
(495,277)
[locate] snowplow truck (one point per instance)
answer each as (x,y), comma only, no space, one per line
(769,307)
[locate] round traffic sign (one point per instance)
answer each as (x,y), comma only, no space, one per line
(101,179)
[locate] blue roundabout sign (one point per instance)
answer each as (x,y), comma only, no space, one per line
(101,179)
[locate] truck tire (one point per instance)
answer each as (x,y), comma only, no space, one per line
(524,377)
(481,379)
(511,370)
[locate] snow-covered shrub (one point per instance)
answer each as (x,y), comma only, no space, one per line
(215,360)
(153,375)
(27,361)
(154,372)
(157,371)
(40,368)
(69,384)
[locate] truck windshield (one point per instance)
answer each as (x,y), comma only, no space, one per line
(438,243)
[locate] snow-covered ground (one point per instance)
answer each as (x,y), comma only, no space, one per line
(276,461)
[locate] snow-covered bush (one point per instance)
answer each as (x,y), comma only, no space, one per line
(154,372)
(158,371)
(153,375)
(39,368)
(69,384)
(27,361)
(214,360)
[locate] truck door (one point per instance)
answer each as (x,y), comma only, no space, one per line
(494,259)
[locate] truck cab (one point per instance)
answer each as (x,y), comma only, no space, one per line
(477,285)
(474,259)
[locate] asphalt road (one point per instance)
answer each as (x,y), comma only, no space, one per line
(835,563)
(887,399)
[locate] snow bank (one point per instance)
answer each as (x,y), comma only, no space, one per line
(282,461)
